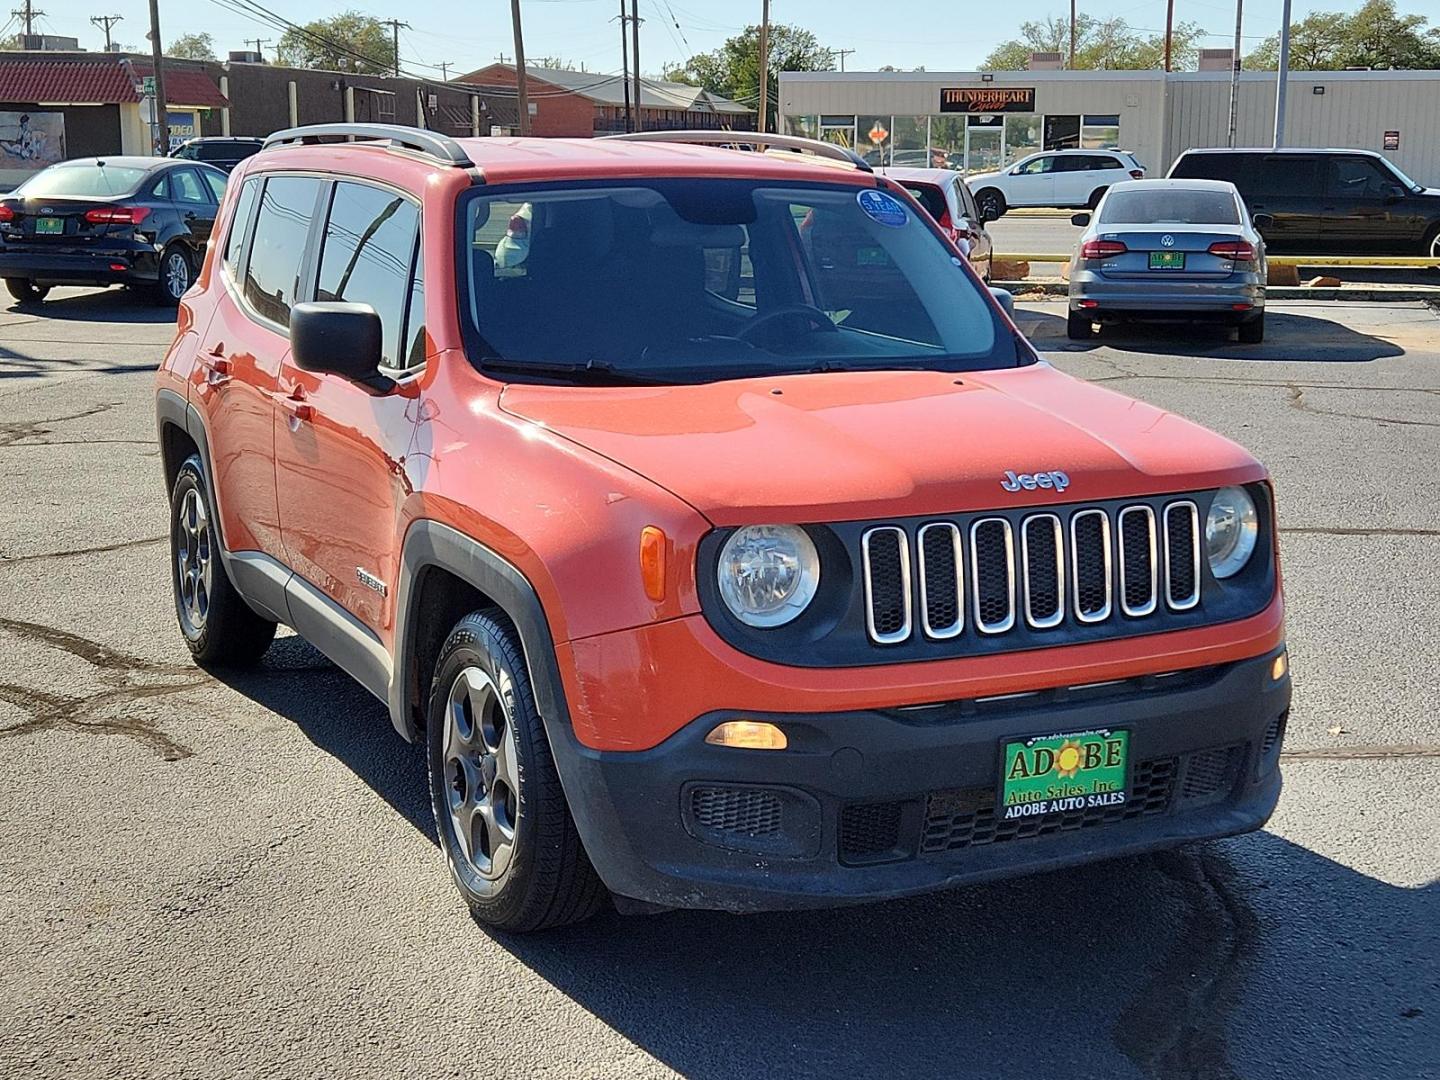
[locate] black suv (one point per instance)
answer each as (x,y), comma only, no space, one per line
(222,151)
(1335,201)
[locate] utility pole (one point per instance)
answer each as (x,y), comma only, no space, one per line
(395,25)
(1169,29)
(522,98)
(106,21)
(1282,77)
(160,140)
(1072,35)
(764,66)
(27,16)
(444,66)
(259,41)
(625,68)
(842,53)
(635,60)
(1235,72)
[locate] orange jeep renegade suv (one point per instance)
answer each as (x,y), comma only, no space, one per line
(710,523)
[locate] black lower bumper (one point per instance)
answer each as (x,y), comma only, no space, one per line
(120,266)
(886,803)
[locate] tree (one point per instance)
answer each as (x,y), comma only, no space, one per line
(1099,43)
(733,70)
(351,41)
(1376,36)
(192,47)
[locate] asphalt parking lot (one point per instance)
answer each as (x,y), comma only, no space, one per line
(239,878)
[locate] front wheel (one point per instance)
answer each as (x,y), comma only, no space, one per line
(25,290)
(504,825)
(175,276)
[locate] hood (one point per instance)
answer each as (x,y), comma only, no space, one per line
(836,447)
(976,179)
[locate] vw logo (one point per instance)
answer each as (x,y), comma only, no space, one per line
(1167,240)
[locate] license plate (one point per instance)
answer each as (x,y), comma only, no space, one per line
(49,226)
(1075,770)
(1167,260)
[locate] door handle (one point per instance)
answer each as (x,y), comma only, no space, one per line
(295,404)
(218,369)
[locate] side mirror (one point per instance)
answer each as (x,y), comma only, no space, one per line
(1004,299)
(337,338)
(1394,193)
(1080,219)
(1263,222)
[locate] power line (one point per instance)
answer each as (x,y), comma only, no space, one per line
(27,15)
(107,21)
(258,41)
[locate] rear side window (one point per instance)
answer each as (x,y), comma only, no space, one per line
(215,182)
(272,272)
(187,187)
(1286,174)
(368,257)
(1206,166)
(240,224)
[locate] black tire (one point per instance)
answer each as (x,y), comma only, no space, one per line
(25,290)
(1252,331)
(1078,327)
(218,626)
(481,684)
(1096,196)
(991,204)
(177,272)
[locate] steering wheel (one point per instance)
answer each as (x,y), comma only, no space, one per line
(814,315)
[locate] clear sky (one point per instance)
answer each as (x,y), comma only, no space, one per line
(941,35)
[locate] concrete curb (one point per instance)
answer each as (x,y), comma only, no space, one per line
(1055,290)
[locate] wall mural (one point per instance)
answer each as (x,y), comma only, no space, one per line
(31,140)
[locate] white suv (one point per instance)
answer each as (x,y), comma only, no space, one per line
(1059,178)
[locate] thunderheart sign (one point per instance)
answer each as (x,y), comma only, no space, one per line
(990,99)
(1054,773)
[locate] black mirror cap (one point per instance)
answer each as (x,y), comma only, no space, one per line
(339,338)
(1081,220)
(1394,193)
(1262,221)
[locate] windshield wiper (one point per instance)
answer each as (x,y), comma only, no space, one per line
(594,372)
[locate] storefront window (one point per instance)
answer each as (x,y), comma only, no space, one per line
(1100,133)
(947,140)
(872,138)
(1062,132)
(984,143)
(839,130)
(1022,136)
(807,127)
(909,137)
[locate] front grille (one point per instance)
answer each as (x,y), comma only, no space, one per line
(966,818)
(1080,565)
(744,811)
(869,832)
(1211,772)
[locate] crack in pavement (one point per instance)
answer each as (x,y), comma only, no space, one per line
(12,431)
(1174,1027)
(1361,753)
(1297,401)
(199,894)
(99,549)
(52,711)
(1335,530)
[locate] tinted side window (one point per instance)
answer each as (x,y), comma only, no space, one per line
(414,353)
(1358,178)
(240,223)
(215,182)
(272,275)
(366,257)
(1284,174)
(967,202)
(1102,161)
(1206,166)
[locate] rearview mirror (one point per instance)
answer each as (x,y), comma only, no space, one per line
(1004,299)
(1080,219)
(1262,221)
(337,338)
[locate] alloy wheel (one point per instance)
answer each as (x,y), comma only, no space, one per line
(1435,246)
(481,774)
(177,274)
(194,562)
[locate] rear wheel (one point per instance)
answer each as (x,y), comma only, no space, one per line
(1095,197)
(175,275)
(1252,331)
(501,816)
(991,204)
(1078,327)
(25,290)
(1431,247)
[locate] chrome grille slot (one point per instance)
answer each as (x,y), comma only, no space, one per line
(1136,525)
(992,569)
(942,580)
(1042,570)
(1182,555)
(1090,565)
(885,553)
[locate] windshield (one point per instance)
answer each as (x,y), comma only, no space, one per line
(87,178)
(1170,206)
(695,280)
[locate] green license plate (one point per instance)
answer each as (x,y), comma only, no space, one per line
(49,226)
(1076,770)
(1167,260)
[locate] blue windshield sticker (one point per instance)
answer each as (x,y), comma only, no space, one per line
(882,208)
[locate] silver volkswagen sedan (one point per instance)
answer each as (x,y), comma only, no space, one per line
(1162,250)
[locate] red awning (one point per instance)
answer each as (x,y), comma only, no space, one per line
(104,82)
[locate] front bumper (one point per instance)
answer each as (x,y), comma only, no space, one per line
(137,263)
(880,803)
(1216,297)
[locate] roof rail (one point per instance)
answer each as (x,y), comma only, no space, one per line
(751,138)
(430,143)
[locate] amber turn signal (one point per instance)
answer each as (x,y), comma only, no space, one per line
(1280,667)
(652,561)
(748,734)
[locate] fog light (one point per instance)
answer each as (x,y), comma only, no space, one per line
(748,734)
(1279,667)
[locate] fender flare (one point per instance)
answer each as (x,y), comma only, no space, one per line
(433,545)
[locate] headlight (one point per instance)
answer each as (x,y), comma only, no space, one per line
(768,574)
(1231,529)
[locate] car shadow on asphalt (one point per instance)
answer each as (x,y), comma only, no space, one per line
(113,305)
(1288,338)
(1250,956)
